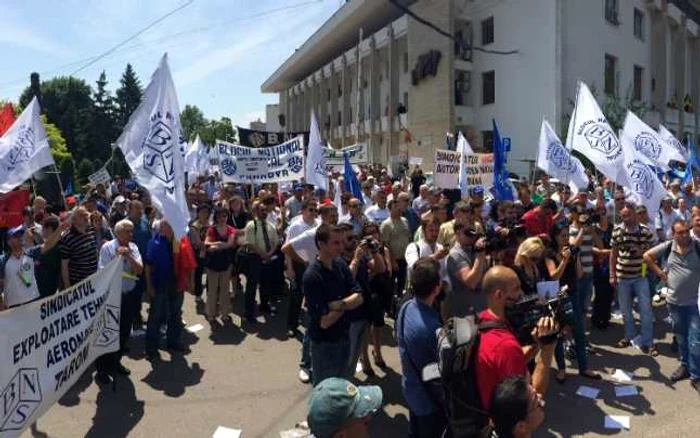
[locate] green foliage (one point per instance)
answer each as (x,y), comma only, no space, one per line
(192,121)
(103,128)
(85,169)
(221,129)
(128,95)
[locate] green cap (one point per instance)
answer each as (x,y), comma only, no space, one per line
(335,401)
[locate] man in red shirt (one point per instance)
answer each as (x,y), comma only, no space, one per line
(500,355)
(539,220)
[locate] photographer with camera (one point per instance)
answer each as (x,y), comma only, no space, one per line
(499,353)
(564,264)
(583,237)
(503,235)
(466,265)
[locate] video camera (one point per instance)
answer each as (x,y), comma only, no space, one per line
(523,317)
(495,241)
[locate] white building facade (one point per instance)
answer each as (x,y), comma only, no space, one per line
(518,62)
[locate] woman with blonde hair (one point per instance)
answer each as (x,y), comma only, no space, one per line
(529,265)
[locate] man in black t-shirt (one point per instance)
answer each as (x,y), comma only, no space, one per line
(330,291)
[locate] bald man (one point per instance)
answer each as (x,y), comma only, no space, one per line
(500,355)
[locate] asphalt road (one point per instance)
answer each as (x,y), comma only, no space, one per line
(247,379)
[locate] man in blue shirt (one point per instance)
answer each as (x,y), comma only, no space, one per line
(166,301)
(416,325)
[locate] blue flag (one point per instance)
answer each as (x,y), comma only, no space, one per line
(503,190)
(351,182)
(69,188)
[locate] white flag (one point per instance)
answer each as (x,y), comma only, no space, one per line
(590,134)
(464,149)
(671,139)
(154,146)
(649,143)
(24,149)
(643,184)
(556,161)
(315,158)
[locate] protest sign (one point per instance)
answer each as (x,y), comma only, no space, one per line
(357,154)
(100,177)
(446,171)
(240,164)
(47,345)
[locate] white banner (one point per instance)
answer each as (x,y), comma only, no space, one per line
(45,346)
(479,170)
(281,163)
(100,177)
(357,154)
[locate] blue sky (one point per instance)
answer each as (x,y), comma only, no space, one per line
(220,51)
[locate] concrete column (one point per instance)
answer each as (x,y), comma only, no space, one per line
(680,75)
(373,104)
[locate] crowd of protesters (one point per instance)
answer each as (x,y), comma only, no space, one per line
(401,249)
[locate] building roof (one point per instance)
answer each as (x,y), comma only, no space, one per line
(337,35)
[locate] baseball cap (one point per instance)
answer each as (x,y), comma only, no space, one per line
(476,190)
(334,401)
(12,232)
(298,187)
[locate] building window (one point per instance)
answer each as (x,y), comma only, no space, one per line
(349,115)
(340,118)
(487,141)
(638,81)
(611,12)
(340,89)
(488,87)
(405,62)
(639,24)
(329,94)
(610,73)
(405,99)
(487,31)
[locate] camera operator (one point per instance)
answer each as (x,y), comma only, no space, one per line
(503,234)
(583,236)
(564,264)
(370,266)
(517,410)
(499,354)
(466,265)
(604,293)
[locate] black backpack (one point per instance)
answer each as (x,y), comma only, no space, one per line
(458,343)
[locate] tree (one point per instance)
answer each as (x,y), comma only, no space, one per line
(85,169)
(67,103)
(218,129)
(128,95)
(192,121)
(103,129)
(67,171)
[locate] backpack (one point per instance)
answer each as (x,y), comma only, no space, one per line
(458,343)
(667,250)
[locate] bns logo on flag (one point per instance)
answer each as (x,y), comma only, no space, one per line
(557,154)
(647,145)
(295,164)
(673,141)
(228,166)
(601,138)
(256,139)
(159,148)
(23,149)
(641,178)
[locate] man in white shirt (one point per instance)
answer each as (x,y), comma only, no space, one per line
(421,203)
(427,246)
(17,281)
(306,220)
(294,205)
(665,218)
(378,213)
(132,266)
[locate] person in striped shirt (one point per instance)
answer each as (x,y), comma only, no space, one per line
(630,240)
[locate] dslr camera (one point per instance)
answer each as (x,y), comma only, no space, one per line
(371,244)
(523,317)
(497,242)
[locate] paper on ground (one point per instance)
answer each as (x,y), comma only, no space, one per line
(588,392)
(622,376)
(625,391)
(617,422)
(225,432)
(195,328)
